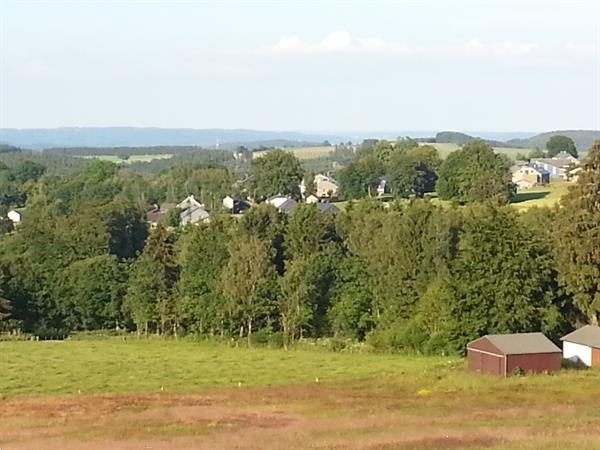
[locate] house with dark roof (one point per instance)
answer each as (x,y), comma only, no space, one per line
(583,346)
(504,354)
(557,166)
(327,208)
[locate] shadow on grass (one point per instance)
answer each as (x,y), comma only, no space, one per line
(526,196)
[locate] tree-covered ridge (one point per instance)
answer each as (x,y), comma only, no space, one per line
(410,276)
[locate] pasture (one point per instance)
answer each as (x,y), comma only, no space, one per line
(445,149)
(303,152)
(540,196)
(179,394)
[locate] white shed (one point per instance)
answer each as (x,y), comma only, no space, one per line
(583,345)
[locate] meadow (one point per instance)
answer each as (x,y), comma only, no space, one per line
(304,152)
(445,149)
(540,196)
(180,394)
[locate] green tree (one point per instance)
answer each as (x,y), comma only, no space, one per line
(203,256)
(295,300)
(412,171)
(152,289)
(246,281)
(28,171)
(537,153)
(577,238)
(5,308)
(502,279)
(351,313)
(307,232)
(360,177)
(475,173)
(90,292)
(559,143)
(277,172)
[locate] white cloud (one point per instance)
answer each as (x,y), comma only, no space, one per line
(343,42)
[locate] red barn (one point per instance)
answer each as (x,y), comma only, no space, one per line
(503,354)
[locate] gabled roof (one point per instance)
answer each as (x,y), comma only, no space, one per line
(560,163)
(327,208)
(288,207)
(588,335)
(520,343)
(193,215)
(189,202)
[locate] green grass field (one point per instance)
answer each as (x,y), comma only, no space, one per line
(115,366)
(548,195)
(185,395)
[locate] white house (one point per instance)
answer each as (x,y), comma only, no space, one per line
(15,216)
(192,211)
(583,345)
(228,202)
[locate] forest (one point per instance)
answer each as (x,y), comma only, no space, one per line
(407,275)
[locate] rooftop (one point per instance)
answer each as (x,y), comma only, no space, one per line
(588,335)
(521,343)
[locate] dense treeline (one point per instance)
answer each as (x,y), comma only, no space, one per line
(409,276)
(473,173)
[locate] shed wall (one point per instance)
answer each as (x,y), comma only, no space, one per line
(577,353)
(483,362)
(534,363)
(595,356)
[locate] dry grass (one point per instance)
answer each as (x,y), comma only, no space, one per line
(304,152)
(367,402)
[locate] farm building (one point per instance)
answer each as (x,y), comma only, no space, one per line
(583,345)
(503,354)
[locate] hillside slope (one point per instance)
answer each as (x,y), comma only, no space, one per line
(583,139)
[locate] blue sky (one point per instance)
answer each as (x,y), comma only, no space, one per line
(302,65)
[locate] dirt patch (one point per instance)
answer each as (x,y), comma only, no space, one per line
(342,417)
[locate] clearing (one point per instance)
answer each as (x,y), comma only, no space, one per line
(548,195)
(178,394)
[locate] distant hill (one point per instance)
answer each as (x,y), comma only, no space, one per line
(454,137)
(139,137)
(583,139)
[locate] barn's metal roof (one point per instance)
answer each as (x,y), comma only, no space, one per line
(588,335)
(522,343)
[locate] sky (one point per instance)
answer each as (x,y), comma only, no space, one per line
(302,65)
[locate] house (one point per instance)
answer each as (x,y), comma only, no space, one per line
(529,175)
(583,345)
(312,199)
(15,216)
(288,207)
(327,208)
(192,211)
(234,205)
(158,214)
(504,354)
(326,187)
(277,200)
(557,166)
(384,186)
